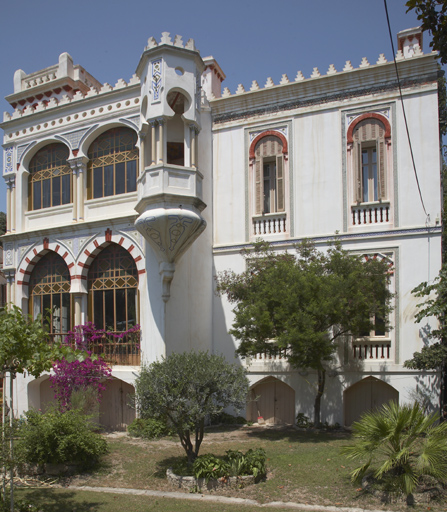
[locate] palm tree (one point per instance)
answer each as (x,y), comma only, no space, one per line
(399,444)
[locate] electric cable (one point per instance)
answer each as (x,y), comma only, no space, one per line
(403,109)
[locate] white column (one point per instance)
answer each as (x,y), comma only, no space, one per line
(75,193)
(8,207)
(153,124)
(161,142)
(192,135)
(79,166)
(81,190)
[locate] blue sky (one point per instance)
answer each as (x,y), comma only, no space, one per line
(250,39)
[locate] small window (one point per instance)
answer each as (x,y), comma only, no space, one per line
(378,329)
(50,178)
(113,164)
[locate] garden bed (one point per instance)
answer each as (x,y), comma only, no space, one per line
(191,483)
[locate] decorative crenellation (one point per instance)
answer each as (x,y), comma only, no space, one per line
(45,104)
(416,52)
(166,39)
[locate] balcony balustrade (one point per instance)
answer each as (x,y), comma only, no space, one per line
(371,350)
(375,213)
(270,224)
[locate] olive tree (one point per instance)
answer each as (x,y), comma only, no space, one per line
(184,389)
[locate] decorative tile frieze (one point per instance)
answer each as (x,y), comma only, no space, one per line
(383,112)
(281,129)
(20,150)
(156,79)
(9,160)
(8,255)
(74,137)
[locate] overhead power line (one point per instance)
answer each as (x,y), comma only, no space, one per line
(403,109)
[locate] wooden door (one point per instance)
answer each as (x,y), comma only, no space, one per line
(272,400)
(367,395)
(114,411)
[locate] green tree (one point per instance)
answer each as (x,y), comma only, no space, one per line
(433,356)
(185,389)
(2,223)
(305,304)
(24,348)
(433,14)
(397,445)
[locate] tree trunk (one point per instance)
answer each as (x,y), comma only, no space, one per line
(317,405)
(11,453)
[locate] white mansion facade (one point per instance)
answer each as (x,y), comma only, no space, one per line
(124,201)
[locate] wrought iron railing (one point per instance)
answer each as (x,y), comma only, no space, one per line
(115,348)
(119,349)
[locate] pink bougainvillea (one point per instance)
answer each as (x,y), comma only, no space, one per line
(91,372)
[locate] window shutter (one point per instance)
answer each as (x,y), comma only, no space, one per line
(381,169)
(258,187)
(358,171)
(280,200)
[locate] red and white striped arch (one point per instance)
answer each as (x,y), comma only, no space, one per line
(95,246)
(36,253)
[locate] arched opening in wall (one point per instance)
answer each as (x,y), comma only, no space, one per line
(49,295)
(272,400)
(366,395)
(175,144)
(113,303)
(47,399)
(115,412)
(49,182)
(113,163)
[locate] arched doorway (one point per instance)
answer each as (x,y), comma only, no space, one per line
(365,395)
(272,400)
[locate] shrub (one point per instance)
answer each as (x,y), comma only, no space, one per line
(233,463)
(398,445)
(303,421)
(227,419)
(59,437)
(149,428)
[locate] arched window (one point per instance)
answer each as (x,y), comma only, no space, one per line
(113,164)
(49,288)
(50,177)
(369,153)
(269,176)
(112,286)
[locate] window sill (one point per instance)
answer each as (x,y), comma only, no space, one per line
(51,210)
(110,200)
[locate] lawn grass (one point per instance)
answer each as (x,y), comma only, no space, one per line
(63,500)
(303,467)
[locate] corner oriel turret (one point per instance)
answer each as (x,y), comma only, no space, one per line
(170,182)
